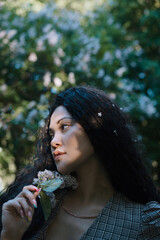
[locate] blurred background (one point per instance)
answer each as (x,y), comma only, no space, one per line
(46,46)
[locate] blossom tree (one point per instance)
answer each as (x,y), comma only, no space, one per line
(46,48)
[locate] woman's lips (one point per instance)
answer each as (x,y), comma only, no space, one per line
(57,157)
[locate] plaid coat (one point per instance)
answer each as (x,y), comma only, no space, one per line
(121,219)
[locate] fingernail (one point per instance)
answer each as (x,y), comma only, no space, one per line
(22,214)
(39,193)
(39,189)
(29,216)
(36,189)
(34,203)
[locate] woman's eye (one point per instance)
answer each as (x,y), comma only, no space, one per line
(64,126)
(51,136)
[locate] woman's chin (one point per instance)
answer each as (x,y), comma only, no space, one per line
(63,171)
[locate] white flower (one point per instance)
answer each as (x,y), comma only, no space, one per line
(40,45)
(3,87)
(112,95)
(41,123)
(147,105)
(71,78)
(47,79)
(47,28)
(32,57)
(13,45)
(57,61)
(31,104)
(61,53)
(2,34)
(57,81)
(52,37)
(49,182)
(11,33)
(119,72)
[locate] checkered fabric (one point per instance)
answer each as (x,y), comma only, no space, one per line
(122,219)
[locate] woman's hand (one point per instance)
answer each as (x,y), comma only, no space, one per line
(17,213)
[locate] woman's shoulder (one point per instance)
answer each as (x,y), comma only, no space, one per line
(141,220)
(150,221)
(151,212)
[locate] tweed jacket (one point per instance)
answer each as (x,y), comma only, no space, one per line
(122,219)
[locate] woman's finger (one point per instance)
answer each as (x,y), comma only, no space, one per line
(15,206)
(25,208)
(31,188)
(30,193)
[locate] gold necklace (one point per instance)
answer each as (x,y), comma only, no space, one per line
(74,215)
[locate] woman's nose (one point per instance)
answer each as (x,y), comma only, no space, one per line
(56,141)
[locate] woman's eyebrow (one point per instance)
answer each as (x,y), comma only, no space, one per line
(64,118)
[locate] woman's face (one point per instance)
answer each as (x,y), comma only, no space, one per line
(70,145)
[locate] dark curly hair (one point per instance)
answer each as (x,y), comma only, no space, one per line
(112,136)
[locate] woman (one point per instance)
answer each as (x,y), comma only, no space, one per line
(86,135)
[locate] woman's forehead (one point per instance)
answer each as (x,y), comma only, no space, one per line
(59,113)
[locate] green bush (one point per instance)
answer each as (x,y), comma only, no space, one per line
(45,48)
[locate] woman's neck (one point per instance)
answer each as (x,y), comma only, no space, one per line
(94,185)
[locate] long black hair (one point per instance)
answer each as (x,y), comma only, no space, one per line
(111,134)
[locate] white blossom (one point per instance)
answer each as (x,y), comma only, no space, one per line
(60,52)
(52,37)
(3,87)
(57,81)
(2,34)
(47,79)
(11,33)
(112,95)
(31,104)
(57,61)
(119,72)
(41,123)
(47,28)
(71,78)
(147,105)
(32,57)
(40,45)
(13,45)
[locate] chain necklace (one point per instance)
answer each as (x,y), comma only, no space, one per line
(74,215)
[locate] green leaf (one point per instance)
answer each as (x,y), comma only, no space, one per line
(46,204)
(51,185)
